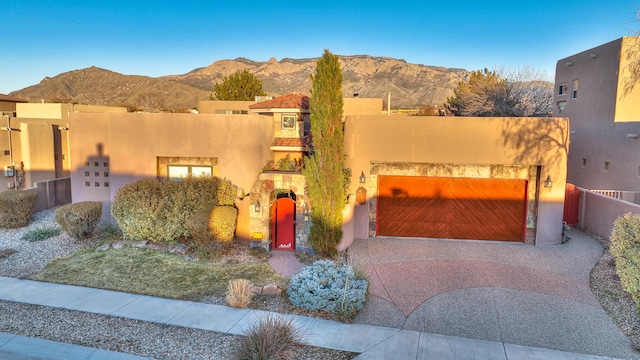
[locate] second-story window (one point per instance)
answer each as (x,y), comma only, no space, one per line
(563,89)
(574,89)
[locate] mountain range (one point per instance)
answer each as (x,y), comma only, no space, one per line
(410,85)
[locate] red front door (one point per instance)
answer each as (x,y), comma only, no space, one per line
(283,220)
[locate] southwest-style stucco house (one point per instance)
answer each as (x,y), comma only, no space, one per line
(605,120)
(461,178)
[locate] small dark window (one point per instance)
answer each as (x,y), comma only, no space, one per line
(96,174)
(106,174)
(563,89)
(97,184)
(87,183)
(86,173)
(584,162)
(7,152)
(86,163)
(606,165)
(105,164)
(106,184)
(96,163)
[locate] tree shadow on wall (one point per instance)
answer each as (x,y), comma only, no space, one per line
(545,141)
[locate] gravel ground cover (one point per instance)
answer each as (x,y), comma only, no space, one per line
(21,258)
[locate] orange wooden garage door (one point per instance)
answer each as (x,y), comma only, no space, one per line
(454,208)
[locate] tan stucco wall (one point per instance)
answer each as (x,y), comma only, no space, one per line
(599,134)
(362,106)
(210,106)
(132,142)
(539,142)
(34,146)
(627,108)
(61,111)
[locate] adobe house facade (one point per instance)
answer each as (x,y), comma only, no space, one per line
(511,158)
(605,121)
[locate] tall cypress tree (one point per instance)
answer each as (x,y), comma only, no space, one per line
(324,166)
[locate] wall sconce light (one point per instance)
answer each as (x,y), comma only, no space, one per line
(363,178)
(257,207)
(548,182)
(632,136)
(593,56)
(569,63)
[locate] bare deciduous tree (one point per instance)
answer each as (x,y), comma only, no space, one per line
(523,92)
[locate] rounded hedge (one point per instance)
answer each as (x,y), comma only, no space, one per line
(16,207)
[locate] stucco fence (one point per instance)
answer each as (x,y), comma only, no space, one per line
(52,193)
(598,212)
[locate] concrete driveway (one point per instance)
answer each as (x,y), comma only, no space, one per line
(505,292)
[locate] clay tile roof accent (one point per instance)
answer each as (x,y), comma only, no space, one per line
(291,142)
(10,98)
(289,101)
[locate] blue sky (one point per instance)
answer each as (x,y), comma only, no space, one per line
(155,38)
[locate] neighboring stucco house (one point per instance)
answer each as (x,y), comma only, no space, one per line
(38,143)
(605,121)
(8,104)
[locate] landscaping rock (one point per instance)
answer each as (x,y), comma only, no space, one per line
(140,244)
(179,249)
(271,289)
(255,289)
(104,247)
(118,245)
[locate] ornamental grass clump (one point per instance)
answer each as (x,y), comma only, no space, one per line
(270,337)
(625,246)
(328,286)
(239,293)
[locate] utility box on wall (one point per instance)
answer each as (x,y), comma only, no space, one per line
(9,170)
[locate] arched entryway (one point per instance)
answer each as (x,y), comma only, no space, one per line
(283,215)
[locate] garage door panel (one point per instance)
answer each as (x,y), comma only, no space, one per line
(459,208)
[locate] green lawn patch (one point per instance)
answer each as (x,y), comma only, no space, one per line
(154,273)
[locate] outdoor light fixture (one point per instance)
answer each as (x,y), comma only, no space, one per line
(548,182)
(569,63)
(363,178)
(632,136)
(257,207)
(593,56)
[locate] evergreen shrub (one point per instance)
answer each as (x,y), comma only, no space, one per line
(159,210)
(625,246)
(16,207)
(79,220)
(328,286)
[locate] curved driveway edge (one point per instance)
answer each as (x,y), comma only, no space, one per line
(499,292)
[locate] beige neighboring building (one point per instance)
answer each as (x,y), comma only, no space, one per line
(38,143)
(8,104)
(605,121)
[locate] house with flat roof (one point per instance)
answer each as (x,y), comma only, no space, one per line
(591,90)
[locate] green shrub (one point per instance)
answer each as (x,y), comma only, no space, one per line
(79,220)
(201,238)
(158,210)
(41,234)
(222,223)
(16,207)
(625,246)
(270,337)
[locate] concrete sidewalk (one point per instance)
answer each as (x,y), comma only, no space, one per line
(373,342)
